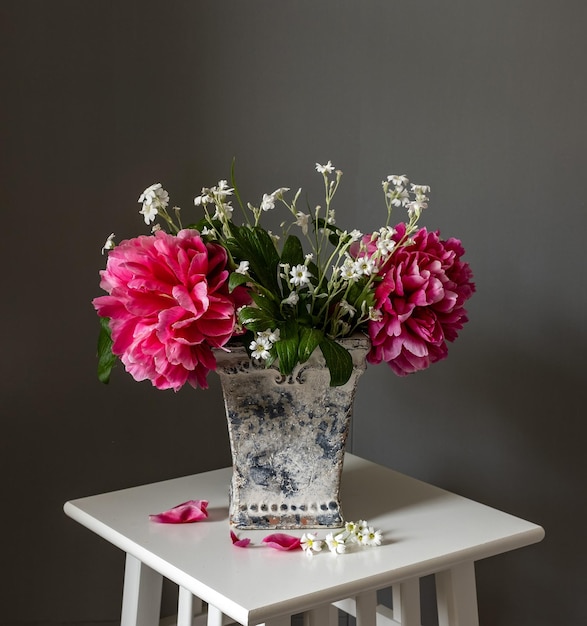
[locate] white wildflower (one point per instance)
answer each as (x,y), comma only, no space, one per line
(260,347)
(278,193)
(302,220)
(243,268)
(222,190)
(310,544)
(336,543)
(372,537)
(153,199)
(375,315)
(398,181)
(385,246)
(399,196)
(365,266)
(325,169)
(204,198)
(268,202)
(292,299)
(300,275)
(271,335)
(420,190)
(223,211)
(349,270)
(347,308)
(109,243)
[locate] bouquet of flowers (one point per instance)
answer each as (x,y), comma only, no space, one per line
(181,292)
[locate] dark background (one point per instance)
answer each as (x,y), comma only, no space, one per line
(483,101)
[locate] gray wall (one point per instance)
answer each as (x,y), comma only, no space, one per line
(484,101)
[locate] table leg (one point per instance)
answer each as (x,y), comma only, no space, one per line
(406,602)
(214,616)
(456,595)
(185,607)
(367,608)
(325,615)
(141,595)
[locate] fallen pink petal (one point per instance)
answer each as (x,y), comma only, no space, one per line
(240,543)
(281,541)
(185,513)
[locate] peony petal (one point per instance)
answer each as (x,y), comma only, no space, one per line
(185,513)
(240,543)
(281,541)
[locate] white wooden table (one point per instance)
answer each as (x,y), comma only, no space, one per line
(426,530)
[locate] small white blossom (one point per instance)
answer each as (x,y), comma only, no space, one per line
(336,543)
(325,169)
(371,537)
(385,246)
(361,526)
(109,243)
(347,309)
(375,315)
(271,335)
(420,190)
(268,202)
(222,190)
(243,267)
(278,193)
(153,199)
(398,181)
(356,235)
(331,217)
(365,265)
(300,275)
(292,299)
(349,271)
(260,348)
(399,196)
(302,220)
(223,211)
(204,198)
(416,207)
(311,544)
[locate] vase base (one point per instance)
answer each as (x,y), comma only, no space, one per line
(255,517)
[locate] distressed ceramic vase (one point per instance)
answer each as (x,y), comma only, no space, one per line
(287,439)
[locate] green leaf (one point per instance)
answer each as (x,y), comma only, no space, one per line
(266,303)
(287,347)
(310,339)
(235,279)
(338,360)
(293,252)
(256,319)
(256,246)
(106,360)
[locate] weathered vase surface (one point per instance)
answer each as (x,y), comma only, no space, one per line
(287,438)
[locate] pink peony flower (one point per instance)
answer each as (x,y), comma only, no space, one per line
(168,306)
(421,296)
